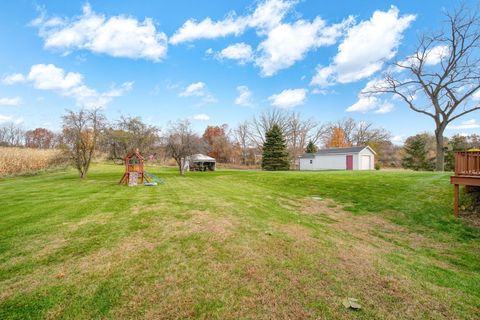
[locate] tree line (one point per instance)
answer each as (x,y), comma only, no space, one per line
(87,133)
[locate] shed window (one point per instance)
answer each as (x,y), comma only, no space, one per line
(311,161)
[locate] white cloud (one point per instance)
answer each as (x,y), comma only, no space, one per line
(319,91)
(194,89)
(13,79)
(399,139)
(371,102)
(266,15)
(70,84)
(244,97)
(11,119)
(201,117)
(364,104)
(365,48)
(464,125)
(117,36)
(476,95)
(436,54)
(10,101)
(284,43)
(18,120)
(208,29)
(90,98)
(4,118)
(433,56)
(238,51)
(50,77)
(385,107)
(323,77)
(288,98)
(198,89)
(289,43)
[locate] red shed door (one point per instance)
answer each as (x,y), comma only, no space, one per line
(349,162)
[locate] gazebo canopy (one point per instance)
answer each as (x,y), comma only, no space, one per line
(201,158)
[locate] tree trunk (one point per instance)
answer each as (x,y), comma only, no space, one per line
(182,166)
(440,152)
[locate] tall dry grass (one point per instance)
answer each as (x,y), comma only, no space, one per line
(16,161)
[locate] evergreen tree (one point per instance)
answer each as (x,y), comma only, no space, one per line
(311,148)
(275,154)
(455,143)
(417,154)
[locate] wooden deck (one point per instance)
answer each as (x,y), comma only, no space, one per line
(467,173)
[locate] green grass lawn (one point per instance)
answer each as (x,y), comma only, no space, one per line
(236,244)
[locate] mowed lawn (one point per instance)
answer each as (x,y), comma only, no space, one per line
(236,244)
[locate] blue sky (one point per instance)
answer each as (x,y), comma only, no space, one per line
(210,61)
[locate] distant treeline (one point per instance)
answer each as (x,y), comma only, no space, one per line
(242,145)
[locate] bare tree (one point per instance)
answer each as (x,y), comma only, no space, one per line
(11,135)
(182,142)
(296,130)
(365,134)
(81,131)
(444,71)
(299,132)
(240,134)
(356,133)
(262,123)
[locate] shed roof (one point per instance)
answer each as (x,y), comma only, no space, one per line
(201,158)
(329,151)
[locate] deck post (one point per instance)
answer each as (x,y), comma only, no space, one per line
(455,201)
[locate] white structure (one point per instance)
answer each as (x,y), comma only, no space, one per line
(354,158)
(199,162)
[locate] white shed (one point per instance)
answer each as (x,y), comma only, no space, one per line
(353,158)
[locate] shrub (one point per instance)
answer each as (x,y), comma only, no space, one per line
(377,166)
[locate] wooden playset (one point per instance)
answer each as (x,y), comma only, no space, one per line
(134,172)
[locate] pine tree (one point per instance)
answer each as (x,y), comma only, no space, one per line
(417,154)
(455,143)
(311,148)
(275,154)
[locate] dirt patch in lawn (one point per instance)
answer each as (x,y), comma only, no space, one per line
(357,257)
(140,208)
(294,231)
(205,223)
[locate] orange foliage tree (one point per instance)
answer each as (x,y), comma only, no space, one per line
(337,139)
(39,138)
(218,142)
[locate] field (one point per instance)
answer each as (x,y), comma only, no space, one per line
(15,161)
(236,244)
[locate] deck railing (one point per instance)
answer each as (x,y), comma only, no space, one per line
(467,163)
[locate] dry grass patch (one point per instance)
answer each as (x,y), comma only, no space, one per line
(357,260)
(100,262)
(204,223)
